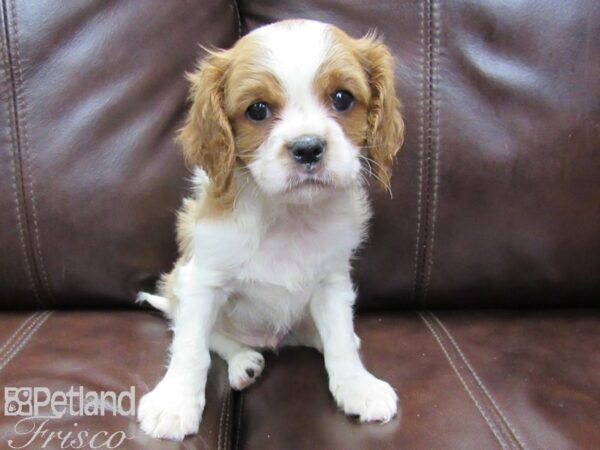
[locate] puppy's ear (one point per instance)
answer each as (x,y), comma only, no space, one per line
(385,132)
(206,137)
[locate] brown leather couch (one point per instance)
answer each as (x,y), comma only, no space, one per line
(479,288)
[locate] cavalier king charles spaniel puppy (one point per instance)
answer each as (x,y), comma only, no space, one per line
(284,131)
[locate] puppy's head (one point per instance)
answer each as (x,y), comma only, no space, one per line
(300,106)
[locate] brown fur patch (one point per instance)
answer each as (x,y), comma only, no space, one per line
(384,133)
(206,137)
(341,70)
(249,82)
(217,134)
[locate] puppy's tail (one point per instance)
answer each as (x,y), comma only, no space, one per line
(161,303)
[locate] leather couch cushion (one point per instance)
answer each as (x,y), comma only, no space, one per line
(497,187)
(100,351)
(469,380)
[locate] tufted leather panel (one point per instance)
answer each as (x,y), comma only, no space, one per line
(496,189)
(89,175)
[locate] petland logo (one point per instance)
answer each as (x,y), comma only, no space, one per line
(38,406)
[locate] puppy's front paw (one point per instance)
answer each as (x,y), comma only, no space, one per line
(244,368)
(168,412)
(365,396)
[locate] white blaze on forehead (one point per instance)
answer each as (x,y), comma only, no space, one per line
(295,50)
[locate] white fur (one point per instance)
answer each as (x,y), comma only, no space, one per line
(277,266)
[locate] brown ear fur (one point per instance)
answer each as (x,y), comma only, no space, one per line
(206,137)
(385,133)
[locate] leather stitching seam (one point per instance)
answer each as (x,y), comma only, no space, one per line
(513,430)
(223,434)
(15,333)
(493,427)
(428,142)
(421,139)
(427,152)
(434,112)
(20,97)
(239,420)
(220,427)
(238,16)
(227,443)
(25,338)
(16,166)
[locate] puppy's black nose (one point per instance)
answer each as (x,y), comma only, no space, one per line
(307,149)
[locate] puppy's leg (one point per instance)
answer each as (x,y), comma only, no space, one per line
(174,408)
(355,390)
(244,365)
(305,334)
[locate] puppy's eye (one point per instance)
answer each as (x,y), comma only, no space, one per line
(342,100)
(258,111)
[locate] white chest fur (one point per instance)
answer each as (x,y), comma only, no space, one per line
(271,258)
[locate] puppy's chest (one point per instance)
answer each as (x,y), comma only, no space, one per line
(293,256)
(279,269)
(275,283)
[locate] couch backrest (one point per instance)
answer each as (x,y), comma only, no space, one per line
(89,174)
(496,191)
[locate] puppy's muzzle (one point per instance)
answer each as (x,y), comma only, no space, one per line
(307,150)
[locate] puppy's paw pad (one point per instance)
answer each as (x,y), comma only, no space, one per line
(244,368)
(365,396)
(169,413)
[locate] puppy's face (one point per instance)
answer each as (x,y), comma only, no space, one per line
(299,105)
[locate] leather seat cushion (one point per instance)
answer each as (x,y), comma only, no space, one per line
(101,351)
(469,380)
(466,379)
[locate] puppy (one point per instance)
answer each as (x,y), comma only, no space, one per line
(286,127)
